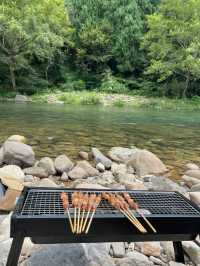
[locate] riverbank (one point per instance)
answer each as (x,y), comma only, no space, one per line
(119,168)
(107,99)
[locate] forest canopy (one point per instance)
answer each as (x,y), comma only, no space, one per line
(148,46)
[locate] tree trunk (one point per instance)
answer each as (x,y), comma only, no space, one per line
(184,94)
(12,76)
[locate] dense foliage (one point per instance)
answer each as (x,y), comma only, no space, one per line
(151,46)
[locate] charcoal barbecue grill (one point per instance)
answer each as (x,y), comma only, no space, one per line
(39,214)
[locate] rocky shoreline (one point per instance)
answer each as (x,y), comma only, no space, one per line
(121,168)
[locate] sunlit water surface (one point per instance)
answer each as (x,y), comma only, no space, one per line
(56,129)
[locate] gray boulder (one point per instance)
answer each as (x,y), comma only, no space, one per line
(83,155)
(70,255)
(47,164)
(77,173)
(18,153)
(36,171)
(63,164)
(120,154)
(91,171)
(145,162)
(134,258)
(100,158)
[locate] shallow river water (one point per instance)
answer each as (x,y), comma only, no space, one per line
(56,129)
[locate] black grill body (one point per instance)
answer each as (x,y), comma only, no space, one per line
(39,214)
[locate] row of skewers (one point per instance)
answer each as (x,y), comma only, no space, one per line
(85,206)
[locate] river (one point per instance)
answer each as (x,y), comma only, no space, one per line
(55,129)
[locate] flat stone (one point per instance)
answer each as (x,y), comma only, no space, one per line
(134,258)
(156,261)
(21,98)
(63,164)
(100,158)
(190,181)
(18,153)
(90,186)
(46,182)
(192,250)
(195,187)
(83,155)
(36,171)
(120,154)
(88,168)
(7,203)
(17,138)
(145,162)
(192,166)
(47,164)
(195,197)
(193,173)
(149,248)
(118,249)
(100,167)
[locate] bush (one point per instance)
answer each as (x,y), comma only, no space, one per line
(118,103)
(112,84)
(91,100)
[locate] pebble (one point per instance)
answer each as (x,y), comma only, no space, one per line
(118,249)
(100,167)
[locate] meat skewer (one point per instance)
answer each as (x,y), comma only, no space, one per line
(135,207)
(91,199)
(80,200)
(65,202)
(75,205)
(84,207)
(122,206)
(94,207)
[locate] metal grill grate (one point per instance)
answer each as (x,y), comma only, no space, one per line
(44,202)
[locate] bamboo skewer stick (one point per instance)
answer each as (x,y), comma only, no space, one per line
(91,200)
(75,204)
(65,201)
(84,206)
(86,218)
(95,205)
(142,230)
(134,206)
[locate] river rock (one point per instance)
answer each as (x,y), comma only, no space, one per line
(149,248)
(36,171)
(192,166)
(12,172)
(70,254)
(173,263)
(63,164)
(17,138)
(46,182)
(5,248)
(5,228)
(190,181)
(100,158)
(164,183)
(126,178)
(29,178)
(145,162)
(193,173)
(195,187)
(64,177)
(47,164)
(118,249)
(7,203)
(21,98)
(107,177)
(134,258)
(12,183)
(89,186)
(100,167)
(77,173)
(83,155)
(192,250)
(91,171)
(18,153)
(120,154)
(156,261)
(195,197)
(135,186)
(168,249)
(118,169)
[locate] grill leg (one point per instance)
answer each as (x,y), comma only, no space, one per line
(15,251)
(178,250)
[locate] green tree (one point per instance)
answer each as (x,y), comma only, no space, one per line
(31,30)
(173,42)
